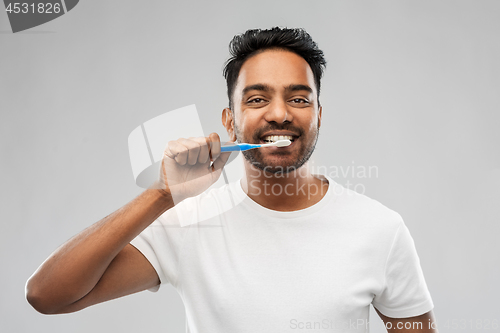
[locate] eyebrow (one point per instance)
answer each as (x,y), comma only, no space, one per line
(258,86)
(266,88)
(298,87)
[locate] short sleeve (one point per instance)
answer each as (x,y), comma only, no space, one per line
(405,292)
(161,243)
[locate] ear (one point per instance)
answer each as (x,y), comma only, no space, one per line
(228,123)
(320,112)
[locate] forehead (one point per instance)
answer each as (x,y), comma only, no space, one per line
(275,68)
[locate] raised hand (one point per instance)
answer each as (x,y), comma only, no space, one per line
(190,166)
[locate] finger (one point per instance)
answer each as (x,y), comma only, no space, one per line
(177,151)
(220,161)
(214,146)
(168,153)
(204,154)
(193,150)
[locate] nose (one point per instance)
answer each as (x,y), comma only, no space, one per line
(278,112)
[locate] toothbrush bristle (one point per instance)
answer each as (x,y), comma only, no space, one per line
(282,143)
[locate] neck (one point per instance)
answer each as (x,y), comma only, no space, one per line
(290,191)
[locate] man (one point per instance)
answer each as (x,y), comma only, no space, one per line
(278,251)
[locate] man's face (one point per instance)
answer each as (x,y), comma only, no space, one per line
(275,98)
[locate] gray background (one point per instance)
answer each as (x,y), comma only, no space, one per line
(412,87)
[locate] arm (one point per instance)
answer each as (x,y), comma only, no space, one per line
(98,264)
(425,323)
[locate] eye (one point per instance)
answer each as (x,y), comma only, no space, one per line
(300,101)
(256,101)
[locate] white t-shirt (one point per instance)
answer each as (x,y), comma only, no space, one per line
(240,267)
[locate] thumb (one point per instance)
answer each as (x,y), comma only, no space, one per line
(220,161)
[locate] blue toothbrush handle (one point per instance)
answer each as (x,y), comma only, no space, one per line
(229,148)
(238,147)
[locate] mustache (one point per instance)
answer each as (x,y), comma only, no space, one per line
(257,135)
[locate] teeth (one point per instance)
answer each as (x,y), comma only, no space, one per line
(274,138)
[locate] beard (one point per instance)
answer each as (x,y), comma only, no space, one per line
(256,158)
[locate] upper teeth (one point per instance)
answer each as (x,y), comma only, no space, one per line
(275,138)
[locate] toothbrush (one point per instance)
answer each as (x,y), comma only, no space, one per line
(247,146)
